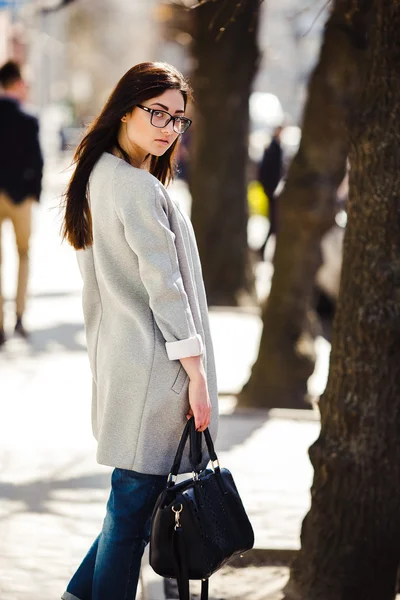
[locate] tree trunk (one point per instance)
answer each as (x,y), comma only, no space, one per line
(307,209)
(225,65)
(351,536)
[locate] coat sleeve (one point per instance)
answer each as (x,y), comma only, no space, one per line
(140,206)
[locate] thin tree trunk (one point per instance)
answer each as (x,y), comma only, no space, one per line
(351,536)
(306,211)
(225,65)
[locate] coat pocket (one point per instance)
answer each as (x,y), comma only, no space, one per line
(180,380)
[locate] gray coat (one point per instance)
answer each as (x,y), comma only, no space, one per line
(145,308)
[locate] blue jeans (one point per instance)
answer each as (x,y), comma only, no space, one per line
(110,570)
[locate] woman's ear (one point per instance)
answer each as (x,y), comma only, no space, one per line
(124,118)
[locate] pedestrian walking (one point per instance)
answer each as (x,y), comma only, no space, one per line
(269,175)
(21,166)
(145,312)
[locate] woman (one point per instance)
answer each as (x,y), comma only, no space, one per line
(145,313)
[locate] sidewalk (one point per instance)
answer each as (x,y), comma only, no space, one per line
(52,491)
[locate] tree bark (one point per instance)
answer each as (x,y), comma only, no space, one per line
(226,56)
(307,209)
(351,536)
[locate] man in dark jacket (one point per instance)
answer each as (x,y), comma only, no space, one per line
(21,167)
(269,175)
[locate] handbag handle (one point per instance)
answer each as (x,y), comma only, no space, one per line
(190,430)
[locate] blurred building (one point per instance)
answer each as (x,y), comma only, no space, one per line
(4,34)
(13,43)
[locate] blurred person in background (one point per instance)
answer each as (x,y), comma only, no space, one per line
(21,166)
(269,175)
(145,311)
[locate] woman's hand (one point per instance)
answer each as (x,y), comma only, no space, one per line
(199,400)
(200,405)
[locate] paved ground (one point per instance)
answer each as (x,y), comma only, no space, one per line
(53,493)
(253,582)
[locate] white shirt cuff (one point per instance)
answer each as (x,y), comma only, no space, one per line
(192,346)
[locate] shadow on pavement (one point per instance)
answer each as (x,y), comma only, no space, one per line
(237,427)
(37,495)
(59,294)
(64,335)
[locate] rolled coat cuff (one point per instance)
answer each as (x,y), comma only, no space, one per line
(192,346)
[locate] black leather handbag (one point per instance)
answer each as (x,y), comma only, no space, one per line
(200,523)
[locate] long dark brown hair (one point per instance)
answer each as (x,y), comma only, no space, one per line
(142,82)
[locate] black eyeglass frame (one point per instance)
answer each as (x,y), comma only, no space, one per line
(171,118)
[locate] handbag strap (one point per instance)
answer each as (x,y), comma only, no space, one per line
(178,456)
(181,568)
(190,430)
(195,455)
(204,589)
(210,445)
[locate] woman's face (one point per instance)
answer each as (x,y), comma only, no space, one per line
(139,137)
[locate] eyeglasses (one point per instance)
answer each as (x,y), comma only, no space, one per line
(161,118)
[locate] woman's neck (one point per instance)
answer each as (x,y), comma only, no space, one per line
(121,153)
(129,151)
